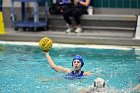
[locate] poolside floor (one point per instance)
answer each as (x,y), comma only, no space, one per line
(98,37)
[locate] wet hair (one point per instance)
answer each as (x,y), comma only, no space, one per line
(78,57)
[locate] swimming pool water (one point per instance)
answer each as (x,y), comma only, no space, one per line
(24,69)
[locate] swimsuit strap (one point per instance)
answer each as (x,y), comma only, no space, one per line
(72,75)
(77,75)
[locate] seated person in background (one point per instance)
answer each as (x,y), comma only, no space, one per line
(98,86)
(79,8)
(77,64)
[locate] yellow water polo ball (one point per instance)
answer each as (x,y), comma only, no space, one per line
(45,44)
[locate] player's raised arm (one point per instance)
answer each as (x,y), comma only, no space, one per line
(46,44)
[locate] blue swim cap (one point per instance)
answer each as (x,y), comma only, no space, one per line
(78,57)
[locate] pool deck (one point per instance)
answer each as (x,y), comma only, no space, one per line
(72,38)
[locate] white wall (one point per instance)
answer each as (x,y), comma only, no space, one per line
(137,35)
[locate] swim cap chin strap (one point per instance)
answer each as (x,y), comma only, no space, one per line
(78,57)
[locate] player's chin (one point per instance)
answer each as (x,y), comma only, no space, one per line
(76,68)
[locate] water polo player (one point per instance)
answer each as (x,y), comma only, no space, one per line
(77,64)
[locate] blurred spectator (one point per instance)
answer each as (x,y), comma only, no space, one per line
(79,8)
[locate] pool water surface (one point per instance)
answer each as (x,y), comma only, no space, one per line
(24,68)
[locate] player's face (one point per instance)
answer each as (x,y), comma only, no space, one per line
(77,64)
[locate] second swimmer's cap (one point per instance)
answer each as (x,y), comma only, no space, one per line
(78,57)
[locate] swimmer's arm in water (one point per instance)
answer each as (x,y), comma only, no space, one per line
(137,88)
(87,73)
(55,67)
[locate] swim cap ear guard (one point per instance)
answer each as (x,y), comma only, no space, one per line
(96,85)
(139,78)
(78,57)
